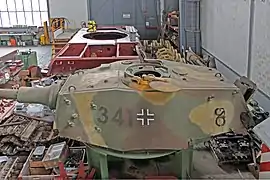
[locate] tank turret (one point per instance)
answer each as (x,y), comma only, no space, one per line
(142,110)
(133,105)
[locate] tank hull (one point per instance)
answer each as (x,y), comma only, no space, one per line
(88,50)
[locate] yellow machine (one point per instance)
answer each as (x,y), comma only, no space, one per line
(42,40)
(92,26)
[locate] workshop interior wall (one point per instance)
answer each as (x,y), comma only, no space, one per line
(225,31)
(74,10)
(143,14)
(260,64)
(127,12)
(237,34)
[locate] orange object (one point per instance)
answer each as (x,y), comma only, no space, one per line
(35,71)
(13,42)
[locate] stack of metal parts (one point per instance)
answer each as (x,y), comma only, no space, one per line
(232,148)
(253,117)
(258,113)
(10,168)
(194,59)
(20,133)
(133,33)
(162,49)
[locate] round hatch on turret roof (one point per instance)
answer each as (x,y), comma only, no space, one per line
(148,69)
(105,35)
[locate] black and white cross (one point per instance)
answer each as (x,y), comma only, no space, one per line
(145,117)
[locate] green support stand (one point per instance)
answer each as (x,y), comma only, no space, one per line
(98,161)
(181,162)
(103,163)
(185,163)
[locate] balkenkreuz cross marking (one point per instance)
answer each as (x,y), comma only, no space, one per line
(145,117)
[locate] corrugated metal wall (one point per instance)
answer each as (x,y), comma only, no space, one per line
(237,34)
(190,34)
(143,14)
(171,5)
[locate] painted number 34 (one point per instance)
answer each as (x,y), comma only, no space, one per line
(103,116)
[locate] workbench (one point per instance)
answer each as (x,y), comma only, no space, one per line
(27,38)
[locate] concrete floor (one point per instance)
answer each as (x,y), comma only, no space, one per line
(67,34)
(205,165)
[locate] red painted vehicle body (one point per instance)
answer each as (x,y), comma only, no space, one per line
(88,50)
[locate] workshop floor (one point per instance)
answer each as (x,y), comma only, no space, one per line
(205,165)
(44,53)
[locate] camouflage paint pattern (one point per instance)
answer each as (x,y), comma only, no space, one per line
(112,108)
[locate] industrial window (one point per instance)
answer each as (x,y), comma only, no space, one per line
(23,12)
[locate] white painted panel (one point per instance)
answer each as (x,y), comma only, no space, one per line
(225,27)
(74,10)
(262,131)
(260,64)
(232,76)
